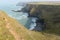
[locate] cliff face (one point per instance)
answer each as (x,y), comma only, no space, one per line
(50,14)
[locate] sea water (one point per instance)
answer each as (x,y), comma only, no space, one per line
(19,16)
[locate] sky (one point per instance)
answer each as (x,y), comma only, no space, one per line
(16,1)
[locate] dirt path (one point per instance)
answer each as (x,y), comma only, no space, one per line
(12,31)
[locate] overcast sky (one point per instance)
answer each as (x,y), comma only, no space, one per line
(16,1)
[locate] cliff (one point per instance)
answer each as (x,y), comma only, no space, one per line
(50,12)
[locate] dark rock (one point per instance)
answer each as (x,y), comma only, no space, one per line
(41,21)
(40,25)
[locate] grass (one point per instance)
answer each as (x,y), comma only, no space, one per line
(4,33)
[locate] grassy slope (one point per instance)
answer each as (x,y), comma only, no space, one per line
(4,33)
(21,31)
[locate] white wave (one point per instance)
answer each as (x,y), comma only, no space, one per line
(32,26)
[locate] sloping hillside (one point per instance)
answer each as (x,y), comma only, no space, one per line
(4,33)
(10,29)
